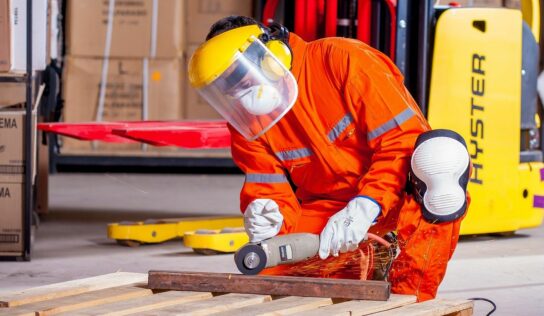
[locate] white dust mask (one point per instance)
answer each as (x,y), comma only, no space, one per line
(260,99)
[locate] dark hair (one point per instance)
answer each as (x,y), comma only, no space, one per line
(229,23)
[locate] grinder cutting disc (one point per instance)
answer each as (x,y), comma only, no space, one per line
(250,259)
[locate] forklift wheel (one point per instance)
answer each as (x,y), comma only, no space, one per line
(206,252)
(128,243)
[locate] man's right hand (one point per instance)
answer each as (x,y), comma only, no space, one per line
(262,219)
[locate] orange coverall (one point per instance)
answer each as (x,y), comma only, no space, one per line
(351,132)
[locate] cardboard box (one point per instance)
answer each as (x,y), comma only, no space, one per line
(11,213)
(138,28)
(4,36)
(202,14)
(12,125)
(195,107)
(12,93)
(124,93)
(513,4)
(18,35)
(478,3)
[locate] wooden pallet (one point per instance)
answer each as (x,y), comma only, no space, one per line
(126,294)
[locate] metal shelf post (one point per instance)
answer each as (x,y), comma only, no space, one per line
(28,132)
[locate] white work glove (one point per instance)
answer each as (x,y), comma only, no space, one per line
(262,219)
(347,228)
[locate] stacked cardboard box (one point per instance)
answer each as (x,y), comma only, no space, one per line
(13,49)
(5,36)
(133,86)
(13,35)
(12,126)
(514,4)
(125,62)
(13,46)
(12,93)
(201,14)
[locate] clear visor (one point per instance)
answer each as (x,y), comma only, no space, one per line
(254,93)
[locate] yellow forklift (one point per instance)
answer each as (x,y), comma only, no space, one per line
(484,64)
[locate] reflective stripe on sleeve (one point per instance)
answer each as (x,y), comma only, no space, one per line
(392,123)
(265,178)
(340,127)
(293,154)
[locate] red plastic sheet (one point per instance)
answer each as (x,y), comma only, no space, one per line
(186,134)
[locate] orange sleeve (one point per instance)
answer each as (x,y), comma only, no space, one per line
(265,178)
(391,118)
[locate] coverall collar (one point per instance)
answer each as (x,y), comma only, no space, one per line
(297,45)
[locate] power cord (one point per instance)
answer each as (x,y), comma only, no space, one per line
(485,300)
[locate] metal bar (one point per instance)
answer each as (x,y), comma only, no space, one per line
(330,18)
(392,9)
(13,79)
(258,6)
(27,213)
(342,19)
(401,54)
(300,18)
(364,18)
(63,162)
(375,27)
(426,12)
(270,285)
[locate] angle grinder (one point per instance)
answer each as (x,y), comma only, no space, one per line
(252,258)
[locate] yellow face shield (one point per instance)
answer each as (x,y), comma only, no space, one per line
(253,92)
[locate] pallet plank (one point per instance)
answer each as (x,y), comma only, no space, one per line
(284,306)
(144,304)
(436,307)
(357,307)
(464,312)
(80,301)
(217,304)
(269,285)
(48,292)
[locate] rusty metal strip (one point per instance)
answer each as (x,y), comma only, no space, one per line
(269,285)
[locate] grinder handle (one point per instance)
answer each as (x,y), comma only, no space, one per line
(290,248)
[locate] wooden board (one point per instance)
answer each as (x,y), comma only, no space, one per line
(269,285)
(434,307)
(284,306)
(58,290)
(145,304)
(74,302)
(213,305)
(358,307)
(105,296)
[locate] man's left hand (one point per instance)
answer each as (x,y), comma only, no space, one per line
(347,228)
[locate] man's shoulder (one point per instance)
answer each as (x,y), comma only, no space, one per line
(354,53)
(339,44)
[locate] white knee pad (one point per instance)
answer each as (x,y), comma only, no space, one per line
(439,175)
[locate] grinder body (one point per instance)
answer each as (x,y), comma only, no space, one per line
(284,249)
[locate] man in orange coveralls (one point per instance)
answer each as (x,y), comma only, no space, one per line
(334,117)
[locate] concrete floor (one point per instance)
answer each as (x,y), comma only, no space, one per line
(71,241)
